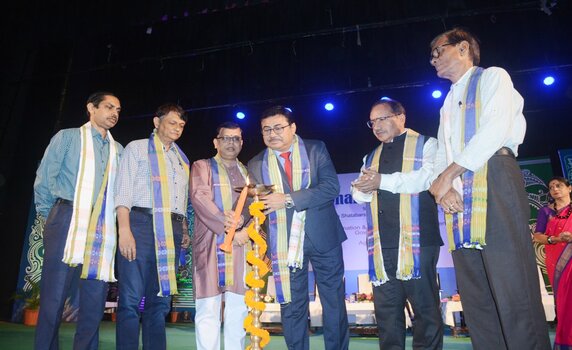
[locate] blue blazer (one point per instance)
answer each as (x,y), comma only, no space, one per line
(323,227)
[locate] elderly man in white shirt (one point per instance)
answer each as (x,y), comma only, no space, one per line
(480,189)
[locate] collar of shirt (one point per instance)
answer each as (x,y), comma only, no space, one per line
(278,153)
(464,79)
(232,165)
(96,135)
(398,137)
(171,149)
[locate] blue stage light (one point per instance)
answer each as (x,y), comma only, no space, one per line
(436,94)
(288,109)
(329,106)
(549,80)
(240,115)
(385,98)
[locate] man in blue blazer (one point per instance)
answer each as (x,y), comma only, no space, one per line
(302,227)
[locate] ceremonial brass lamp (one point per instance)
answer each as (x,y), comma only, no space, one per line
(259,337)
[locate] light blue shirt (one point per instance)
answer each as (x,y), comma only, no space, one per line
(57,174)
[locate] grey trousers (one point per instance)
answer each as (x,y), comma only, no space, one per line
(499,284)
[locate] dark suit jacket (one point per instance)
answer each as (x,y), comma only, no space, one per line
(323,227)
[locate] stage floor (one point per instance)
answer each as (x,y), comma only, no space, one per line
(182,336)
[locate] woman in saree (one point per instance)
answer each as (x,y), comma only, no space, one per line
(553,228)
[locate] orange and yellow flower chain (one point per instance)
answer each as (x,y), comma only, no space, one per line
(253,282)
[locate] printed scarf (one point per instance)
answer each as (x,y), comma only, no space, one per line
(91,238)
(162,225)
(467,229)
(409,247)
(223,190)
(286,254)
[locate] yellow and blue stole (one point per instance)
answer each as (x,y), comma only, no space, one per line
(277,223)
(409,246)
(162,225)
(222,191)
(92,236)
(467,229)
(99,243)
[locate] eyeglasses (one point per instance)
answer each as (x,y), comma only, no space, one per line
(436,52)
(229,139)
(372,122)
(277,130)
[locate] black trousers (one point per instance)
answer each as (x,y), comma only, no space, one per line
(499,284)
(423,295)
(56,282)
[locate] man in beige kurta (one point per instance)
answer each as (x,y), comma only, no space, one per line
(213,283)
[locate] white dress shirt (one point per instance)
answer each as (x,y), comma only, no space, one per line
(411,182)
(502,123)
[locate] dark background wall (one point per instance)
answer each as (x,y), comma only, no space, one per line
(214,57)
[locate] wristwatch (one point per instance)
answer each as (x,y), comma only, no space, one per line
(289,202)
(549,240)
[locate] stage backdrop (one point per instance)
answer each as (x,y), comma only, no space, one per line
(537,172)
(565,156)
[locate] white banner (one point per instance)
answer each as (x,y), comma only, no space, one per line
(352,216)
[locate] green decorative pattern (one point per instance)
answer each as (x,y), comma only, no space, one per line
(35,253)
(536,173)
(185,300)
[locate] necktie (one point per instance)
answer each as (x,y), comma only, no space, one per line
(287,167)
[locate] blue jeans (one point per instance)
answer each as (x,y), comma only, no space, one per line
(138,279)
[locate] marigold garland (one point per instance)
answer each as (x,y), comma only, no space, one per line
(262,333)
(256,282)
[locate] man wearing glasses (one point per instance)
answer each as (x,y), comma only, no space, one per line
(216,274)
(481,192)
(403,236)
(303,227)
(151,195)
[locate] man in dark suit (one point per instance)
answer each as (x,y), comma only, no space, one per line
(303,227)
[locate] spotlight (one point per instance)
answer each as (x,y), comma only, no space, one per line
(240,115)
(549,80)
(288,109)
(385,98)
(329,106)
(436,94)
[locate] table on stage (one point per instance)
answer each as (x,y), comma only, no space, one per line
(359,313)
(271,314)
